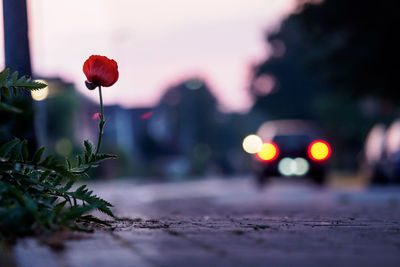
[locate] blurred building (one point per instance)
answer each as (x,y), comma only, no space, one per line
(56,110)
(183,135)
(126,128)
(188,135)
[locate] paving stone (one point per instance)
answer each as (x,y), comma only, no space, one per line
(229,223)
(28,252)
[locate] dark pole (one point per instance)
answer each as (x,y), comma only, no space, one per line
(17,57)
(16,40)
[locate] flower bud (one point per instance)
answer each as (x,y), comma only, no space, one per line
(101,71)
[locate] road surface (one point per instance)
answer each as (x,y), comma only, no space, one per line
(231,222)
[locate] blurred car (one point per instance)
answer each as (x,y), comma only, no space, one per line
(381,159)
(291,148)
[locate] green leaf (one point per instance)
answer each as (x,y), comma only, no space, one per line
(15,91)
(14,82)
(91,218)
(44,175)
(24,150)
(7,147)
(6,92)
(80,189)
(100,157)
(68,186)
(16,152)
(106,210)
(80,170)
(28,84)
(38,155)
(58,208)
(9,108)
(76,212)
(21,80)
(4,75)
(14,77)
(69,165)
(79,158)
(47,160)
(88,147)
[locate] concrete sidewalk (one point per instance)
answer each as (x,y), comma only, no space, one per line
(219,222)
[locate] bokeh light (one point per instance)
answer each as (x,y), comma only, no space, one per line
(287,166)
(39,95)
(64,147)
(297,166)
(269,151)
(302,166)
(392,142)
(319,150)
(264,84)
(252,144)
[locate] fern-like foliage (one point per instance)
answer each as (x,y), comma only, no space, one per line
(9,86)
(37,192)
(14,81)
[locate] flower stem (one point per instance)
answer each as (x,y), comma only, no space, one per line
(101,123)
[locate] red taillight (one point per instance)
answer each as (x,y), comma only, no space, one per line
(319,150)
(268,152)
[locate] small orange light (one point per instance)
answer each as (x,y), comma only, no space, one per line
(268,152)
(319,150)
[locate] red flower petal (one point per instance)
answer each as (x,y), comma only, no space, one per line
(101,70)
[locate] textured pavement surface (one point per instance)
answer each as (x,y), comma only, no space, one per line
(231,222)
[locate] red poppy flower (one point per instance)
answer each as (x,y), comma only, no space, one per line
(100,70)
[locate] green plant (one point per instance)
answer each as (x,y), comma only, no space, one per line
(37,192)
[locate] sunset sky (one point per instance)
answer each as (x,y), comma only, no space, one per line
(156,43)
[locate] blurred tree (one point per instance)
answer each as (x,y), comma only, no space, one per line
(282,84)
(333,62)
(359,44)
(187,126)
(347,46)
(184,124)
